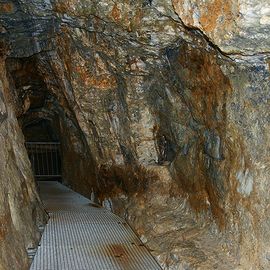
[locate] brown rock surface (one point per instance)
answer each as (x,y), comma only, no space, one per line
(163,117)
(20,208)
(236,27)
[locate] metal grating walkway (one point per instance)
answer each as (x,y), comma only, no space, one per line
(81,236)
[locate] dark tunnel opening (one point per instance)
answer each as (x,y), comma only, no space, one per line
(38,118)
(45,115)
(44,150)
(40,130)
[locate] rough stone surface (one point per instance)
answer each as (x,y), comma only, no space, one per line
(20,207)
(162,108)
(236,27)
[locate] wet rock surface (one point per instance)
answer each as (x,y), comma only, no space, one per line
(162,109)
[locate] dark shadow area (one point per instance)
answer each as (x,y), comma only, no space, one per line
(44,150)
(37,114)
(45,114)
(40,130)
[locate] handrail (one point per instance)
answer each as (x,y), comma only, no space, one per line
(45,158)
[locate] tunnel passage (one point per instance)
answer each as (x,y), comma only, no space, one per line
(44,149)
(115,70)
(45,115)
(45,159)
(38,118)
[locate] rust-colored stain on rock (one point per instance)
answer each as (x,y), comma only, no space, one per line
(116,13)
(123,179)
(213,11)
(206,97)
(102,82)
(6,7)
(214,14)
(5,221)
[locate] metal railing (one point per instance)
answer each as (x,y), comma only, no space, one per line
(45,158)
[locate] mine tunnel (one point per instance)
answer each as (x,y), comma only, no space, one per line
(38,122)
(44,150)
(134,135)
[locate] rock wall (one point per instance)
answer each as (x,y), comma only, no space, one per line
(236,27)
(162,109)
(20,208)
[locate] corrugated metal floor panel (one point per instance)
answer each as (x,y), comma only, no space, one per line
(91,233)
(97,216)
(82,236)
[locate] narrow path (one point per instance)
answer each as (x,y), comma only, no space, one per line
(80,236)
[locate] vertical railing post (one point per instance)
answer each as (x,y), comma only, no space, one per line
(44,157)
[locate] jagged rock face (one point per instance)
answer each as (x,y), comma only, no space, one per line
(20,209)
(236,27)
(162,110)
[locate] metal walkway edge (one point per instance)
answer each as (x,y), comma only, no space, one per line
(81,236)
